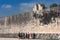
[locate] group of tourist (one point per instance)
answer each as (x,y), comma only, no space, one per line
(27,35)
(37,36)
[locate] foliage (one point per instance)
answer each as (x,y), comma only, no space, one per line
(53,5)
(59,5)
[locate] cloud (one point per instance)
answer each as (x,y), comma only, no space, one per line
(6,6)
(27,4)
(26,7)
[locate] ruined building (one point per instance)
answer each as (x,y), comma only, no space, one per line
(40,20)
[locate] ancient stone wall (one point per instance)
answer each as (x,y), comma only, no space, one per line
(45,21)
(13,22)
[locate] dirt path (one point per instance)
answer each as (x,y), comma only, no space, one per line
(16,39)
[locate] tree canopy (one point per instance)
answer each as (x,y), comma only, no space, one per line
(59,5)
(53,5)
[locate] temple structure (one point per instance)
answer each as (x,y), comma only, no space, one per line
(40,20)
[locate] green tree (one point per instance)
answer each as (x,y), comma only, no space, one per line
(59,5)
(53,5)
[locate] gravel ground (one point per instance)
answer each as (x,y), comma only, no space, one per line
(16,39)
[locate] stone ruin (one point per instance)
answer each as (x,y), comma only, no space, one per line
(38,21)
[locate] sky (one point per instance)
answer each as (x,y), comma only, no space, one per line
(13,7)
